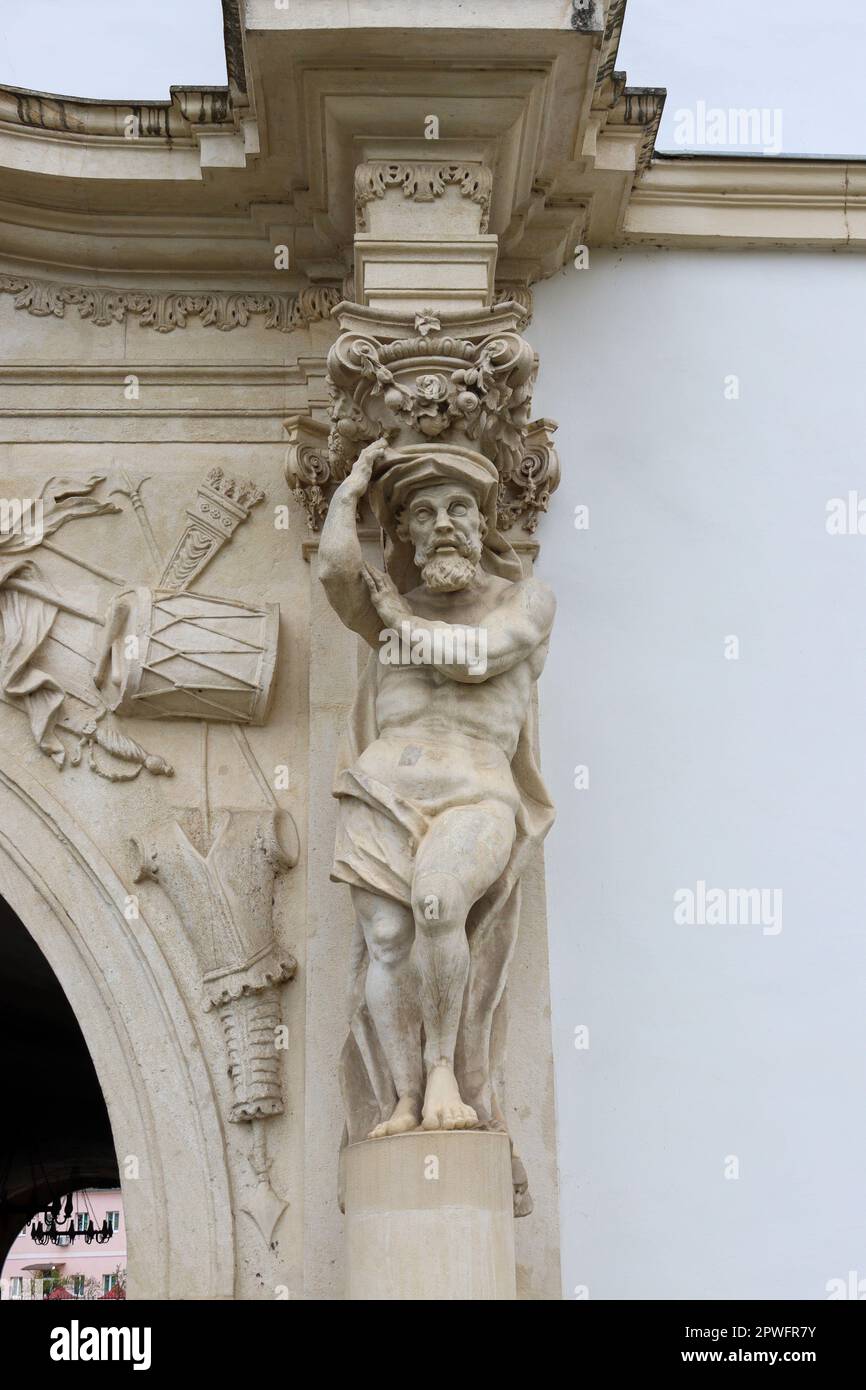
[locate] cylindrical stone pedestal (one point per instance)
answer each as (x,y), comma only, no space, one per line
(429,1215)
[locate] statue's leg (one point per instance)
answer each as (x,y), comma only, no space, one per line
(392,998)
(463,853)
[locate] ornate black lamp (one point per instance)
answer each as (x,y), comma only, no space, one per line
(47,1228)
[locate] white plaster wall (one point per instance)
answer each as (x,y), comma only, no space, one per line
(707,519)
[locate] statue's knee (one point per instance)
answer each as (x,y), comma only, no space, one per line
(388,940)
(438,903)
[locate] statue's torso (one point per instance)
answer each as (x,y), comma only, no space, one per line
(425,701)
(446,739)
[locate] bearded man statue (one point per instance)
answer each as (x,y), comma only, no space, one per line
(440,799)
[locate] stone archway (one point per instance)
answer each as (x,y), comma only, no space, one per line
(57,1137)
(141,1037)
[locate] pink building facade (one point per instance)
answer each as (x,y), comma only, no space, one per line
(87,1271)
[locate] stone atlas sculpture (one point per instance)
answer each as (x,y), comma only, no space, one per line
(343,239)
(440,797)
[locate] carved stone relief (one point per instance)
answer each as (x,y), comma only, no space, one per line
(440,797)
(222,887)
(525,493)
(166,311)
(35,673)
(169,651)
(308,466)
(464,385)
(166,652)
(421,182)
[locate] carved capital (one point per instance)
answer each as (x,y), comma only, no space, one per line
(308,466)
(466,382)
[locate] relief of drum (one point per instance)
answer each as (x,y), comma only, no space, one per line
(183,655)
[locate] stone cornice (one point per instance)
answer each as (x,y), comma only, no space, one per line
(694,200)
(622,105)
(187,108)
(217,177)
(165,311)
(563,134)
(641,108)
(233,40)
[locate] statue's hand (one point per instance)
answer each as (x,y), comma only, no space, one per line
(387,599)
(359,479)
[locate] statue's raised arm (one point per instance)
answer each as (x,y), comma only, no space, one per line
(341,561)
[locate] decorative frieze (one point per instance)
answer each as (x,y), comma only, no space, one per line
(166,311)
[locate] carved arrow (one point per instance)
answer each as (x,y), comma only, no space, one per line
(126,489)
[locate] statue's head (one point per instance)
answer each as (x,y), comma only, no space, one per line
(446,528)
(438,509)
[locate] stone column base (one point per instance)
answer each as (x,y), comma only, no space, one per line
(429,1215)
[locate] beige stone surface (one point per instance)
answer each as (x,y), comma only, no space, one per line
(147,338)
(428,1217)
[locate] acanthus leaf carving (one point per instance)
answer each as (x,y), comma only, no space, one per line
(309,467)
(166,311)
(525,494)
(421,182)
(470,388)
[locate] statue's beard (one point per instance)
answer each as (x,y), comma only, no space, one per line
(444,574)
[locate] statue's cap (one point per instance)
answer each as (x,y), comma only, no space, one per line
(394,480)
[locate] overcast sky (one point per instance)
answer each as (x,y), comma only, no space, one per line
(805,61)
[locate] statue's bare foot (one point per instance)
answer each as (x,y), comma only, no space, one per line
(443,1108)
(406,1115)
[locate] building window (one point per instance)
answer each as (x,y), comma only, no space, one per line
(61,1240)
(16,1286)
(82,1221)
(108,1280)
(78,1285)
(113,1219)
